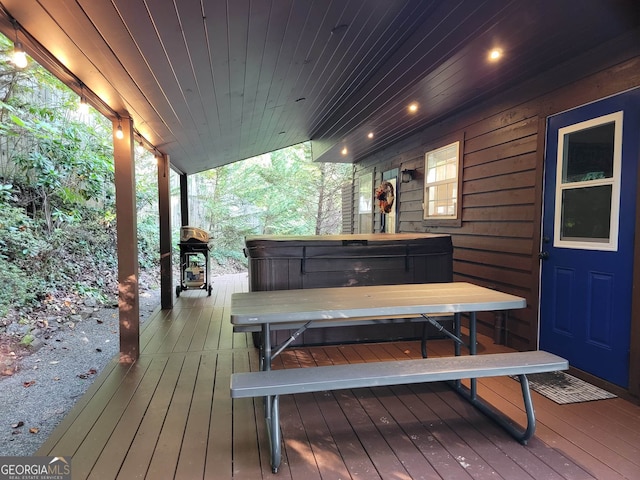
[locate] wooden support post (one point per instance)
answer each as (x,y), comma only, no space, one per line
(184,200)
(164,207)
(127,244)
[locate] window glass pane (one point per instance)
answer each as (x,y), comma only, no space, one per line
(586,213)
(452,169)
(442,193)
(364,221)
(589,154)
(365,194)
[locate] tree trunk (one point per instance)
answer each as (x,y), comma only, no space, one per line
(321,195)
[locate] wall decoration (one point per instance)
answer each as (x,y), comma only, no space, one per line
(385,194)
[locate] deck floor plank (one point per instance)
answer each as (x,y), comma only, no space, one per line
(384,416)
(300,459)
(352,451)
(146,437)
(450,431)
(211,342)
(627,452)
(194,331)
(185,333)
(417,425)
(326,453)
(166,333)
(219,451)
(167,451)
(610,464)
(482,458)
(191,461)
(246,458)
(535,458)
(149,329)
(170,415)
(140,383)
(383,458)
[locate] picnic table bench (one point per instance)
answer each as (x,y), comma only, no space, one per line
(338,306)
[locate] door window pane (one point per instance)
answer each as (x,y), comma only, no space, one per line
(586,214)
(589,154)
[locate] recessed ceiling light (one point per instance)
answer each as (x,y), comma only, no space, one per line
(495,54)
(413,107)
(339,28)
(370,135)
(344,151)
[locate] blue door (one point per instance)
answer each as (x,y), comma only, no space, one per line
(589,218)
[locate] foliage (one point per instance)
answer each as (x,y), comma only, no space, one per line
(18,238)
(65,162)
(281,193)
(57,230)
(16,288)
(19,249)
(148,214)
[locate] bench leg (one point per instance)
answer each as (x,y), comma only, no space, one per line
(522,435)
(425,337)
(272,418)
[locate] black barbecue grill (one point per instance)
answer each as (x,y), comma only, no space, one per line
(194,260)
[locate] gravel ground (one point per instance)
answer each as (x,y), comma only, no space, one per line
(49,381)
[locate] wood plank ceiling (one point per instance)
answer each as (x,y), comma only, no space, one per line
(211,82)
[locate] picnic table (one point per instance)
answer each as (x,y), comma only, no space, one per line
(340,306)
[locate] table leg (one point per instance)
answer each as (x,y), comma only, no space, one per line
(425,337)
(266,346)
(473,349)
(265,364)
(457,330)
(456,345)
(271,403)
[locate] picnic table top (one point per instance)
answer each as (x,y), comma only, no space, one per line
(330,304)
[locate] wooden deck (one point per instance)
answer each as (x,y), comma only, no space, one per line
(170,416)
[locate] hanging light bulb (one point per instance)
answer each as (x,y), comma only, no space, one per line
(119,132)
(83,106)
(19,56)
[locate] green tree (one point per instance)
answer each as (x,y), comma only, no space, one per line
(282,193)
(57,212)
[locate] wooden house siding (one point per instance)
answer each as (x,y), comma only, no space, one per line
(498,239)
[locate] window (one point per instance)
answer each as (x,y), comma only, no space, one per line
(441,168)
(588,184)
(364,200)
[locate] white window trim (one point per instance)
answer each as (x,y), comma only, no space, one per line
(425,195)
(612,244)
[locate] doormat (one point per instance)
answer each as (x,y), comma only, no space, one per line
(563,388)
